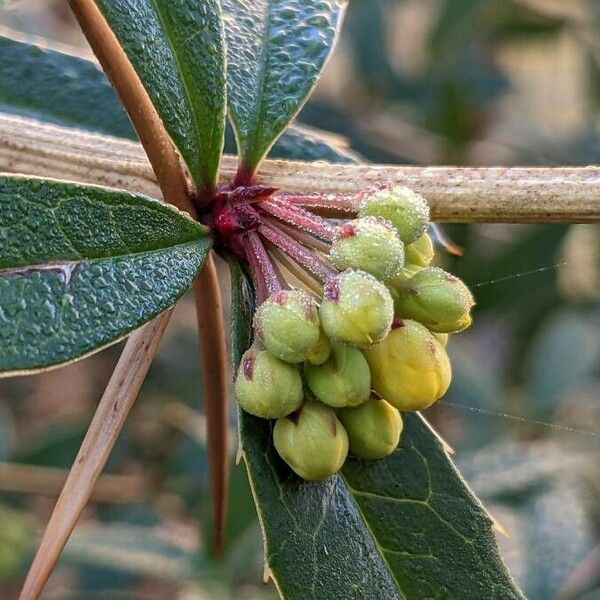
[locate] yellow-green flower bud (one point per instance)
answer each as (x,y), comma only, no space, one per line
(266,386)
(442,338)
(410,368)
(287,324)
(420,252)
(343,380)
(437,299)
(369,244)
(406,210)
(321,351)
(356,309)
(373,428)
(312,441)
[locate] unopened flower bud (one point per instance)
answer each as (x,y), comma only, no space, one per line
(369,244)
(420,252)
(410,368)
(321,351)
(394,284)
(312,441)
(439,300)
(373,428)
(442,338)
(287,324)
(343,380)
(406,210)
(356,309)
(266,386)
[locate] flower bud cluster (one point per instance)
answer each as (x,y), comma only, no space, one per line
(337,373)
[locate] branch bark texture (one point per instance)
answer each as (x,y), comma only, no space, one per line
(455,194)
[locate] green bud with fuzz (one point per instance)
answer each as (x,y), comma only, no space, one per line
(343,380)
(410,368)
(406,210)
(287,324)
(394,284)
(356,309)
(420,252)
(312,441)
(266,386)
(369,244)
(439,300)
(373,428)
(321,351)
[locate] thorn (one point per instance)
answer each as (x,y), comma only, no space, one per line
(107,423)
(443,240)
(215,375)
(498,526)
(267,573)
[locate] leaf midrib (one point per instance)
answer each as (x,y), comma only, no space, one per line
(74,262)
(373,537)
(186,91)
(258,113)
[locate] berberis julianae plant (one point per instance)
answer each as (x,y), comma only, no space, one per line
(355,326)
(351,320)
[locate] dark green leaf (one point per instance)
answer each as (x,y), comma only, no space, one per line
(242,309)
(298,142)
(177,49)
(66,89)
(59,88)
(403,527)
(275,52)
(82,266)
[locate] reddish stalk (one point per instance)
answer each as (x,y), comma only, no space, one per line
(297,251)
(303,277)
(298,216)
(335,202)
(306,239)
(267,280)
(248,195)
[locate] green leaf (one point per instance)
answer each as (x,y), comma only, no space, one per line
(403,527)
(66,89)
(177,50)
(299,142)
(59,88)
(82,266)
(242,309)
(276,50)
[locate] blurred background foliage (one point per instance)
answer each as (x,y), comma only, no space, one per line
(413,81)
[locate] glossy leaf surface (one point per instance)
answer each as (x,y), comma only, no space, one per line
(82,266)
(177,49)
(276,50)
